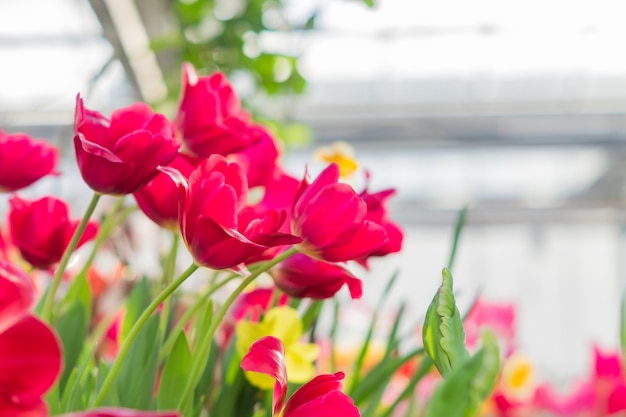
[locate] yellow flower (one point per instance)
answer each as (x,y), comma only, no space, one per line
(281,322)
(518,376)
(342,154)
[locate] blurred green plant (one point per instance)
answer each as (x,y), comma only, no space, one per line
(225,35)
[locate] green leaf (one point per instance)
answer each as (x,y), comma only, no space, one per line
(358,365)
(460,223)
(137,375)
(138,300)
(71,327)
(380,375)
(484,381)
(463,391)
(174,374)
(443,334)
(452,397)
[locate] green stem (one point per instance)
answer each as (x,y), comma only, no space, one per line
(58,275)
(168,274)
(110,222)
(202,353)
(171,338)
(134,331)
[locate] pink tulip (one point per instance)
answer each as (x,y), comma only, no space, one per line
(17,294)
(30,362)
(377,212)
(42,229)
(259,159)
(301,276)
(24,160)
(210,119)
(214,232)
(119,156)
(321,396)
(331,219)
(159,198)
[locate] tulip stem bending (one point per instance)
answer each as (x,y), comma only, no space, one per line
(205,345)
(134,331)
(58,275)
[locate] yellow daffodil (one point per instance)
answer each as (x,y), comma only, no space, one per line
(283,323)
(342,154)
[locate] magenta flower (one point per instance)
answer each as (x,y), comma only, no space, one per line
(159,198)
(377,212)
(210,203)
(30,354)
(30,362)
(210,119)
(301,276)
(321,396)
(119,156)
(331,219)
(42,229)
(259,159)
(24,160)
(17,294)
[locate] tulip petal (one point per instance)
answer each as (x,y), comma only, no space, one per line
(17,294)
(321,397)
(30,359)
(348,212)
(328,176)
(369,237)
(267,356)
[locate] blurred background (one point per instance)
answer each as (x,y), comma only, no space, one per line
(516,109)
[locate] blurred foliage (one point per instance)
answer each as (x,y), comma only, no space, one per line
(226,35)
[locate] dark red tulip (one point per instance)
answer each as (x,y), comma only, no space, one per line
(119,156)
(42,229)
(211,201)
(331,219)
(321,396)
(210,119)
(301,276)
(24,160)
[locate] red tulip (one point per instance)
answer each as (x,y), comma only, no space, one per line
(377,212)
(159,198)
(210,119)
(17,294)
(331,218)
(122,412)
(30,362)
(301,276)
(250,305)
(209,217)
(24,160)
(41,230)
(259,159)
(319,397)
(119,156)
